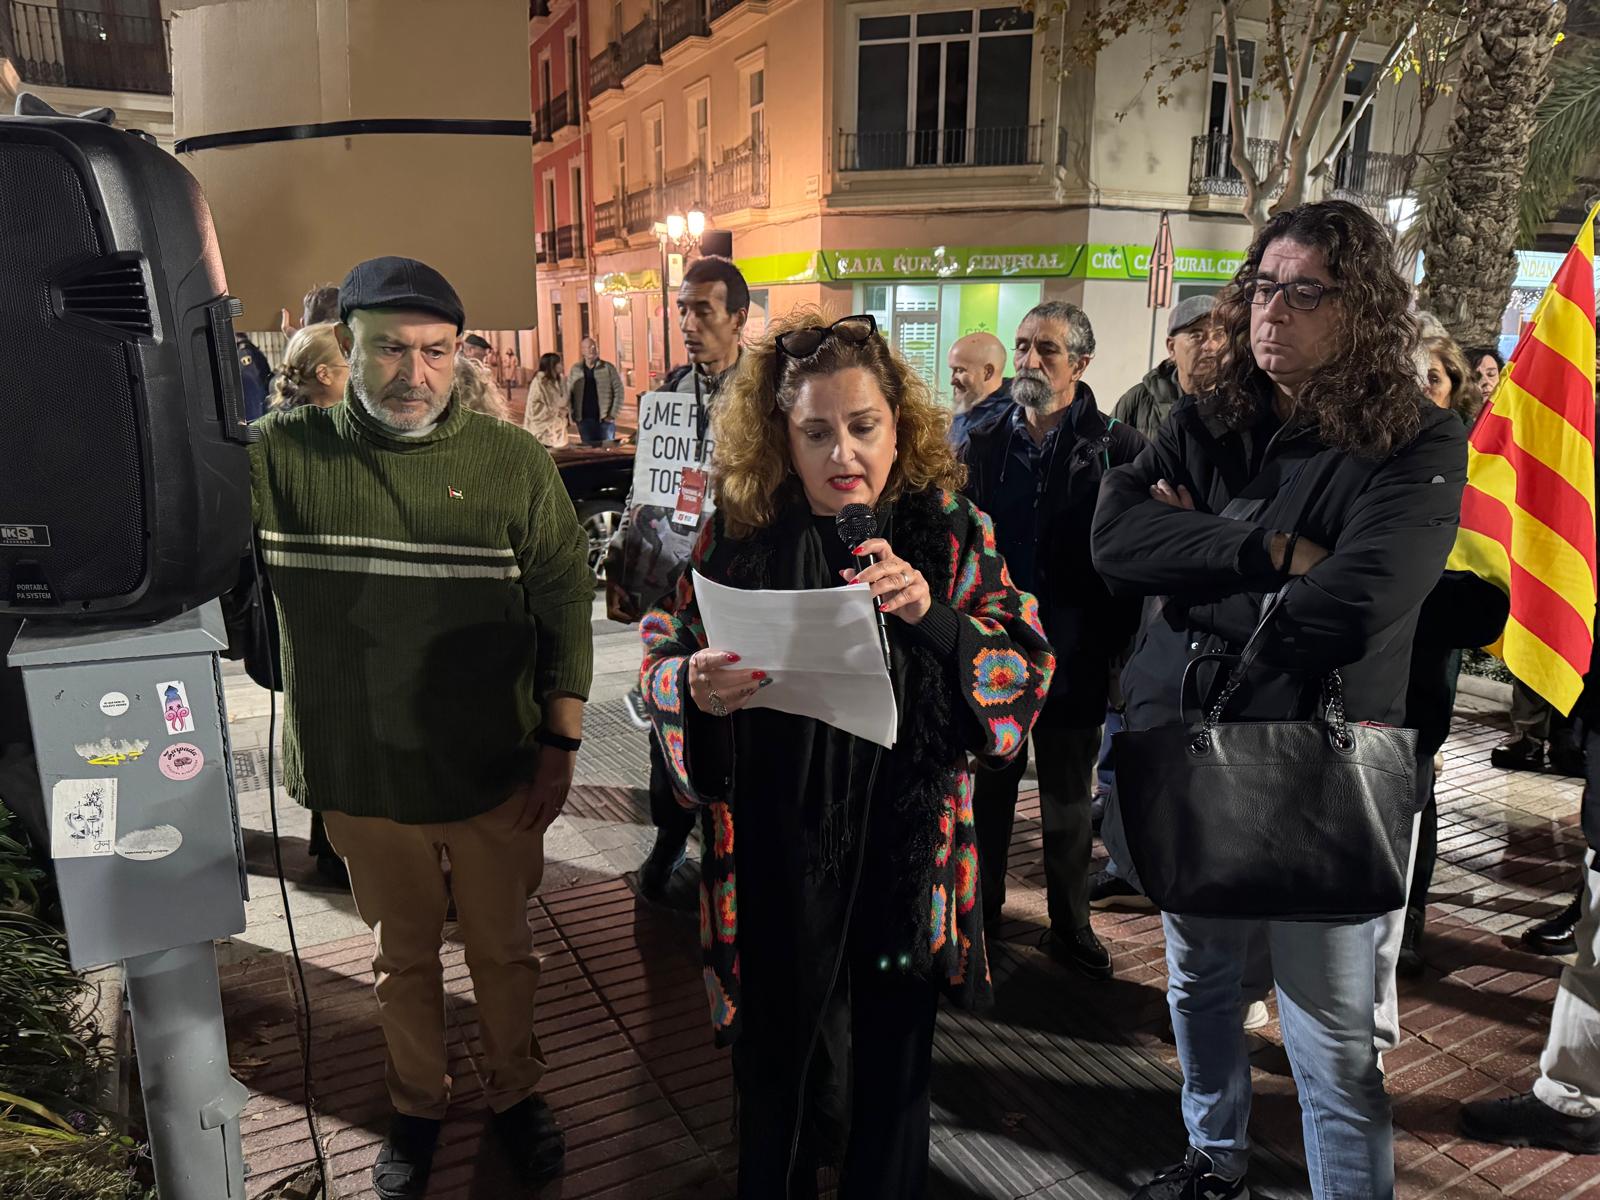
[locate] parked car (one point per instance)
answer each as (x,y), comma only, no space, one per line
(597,478)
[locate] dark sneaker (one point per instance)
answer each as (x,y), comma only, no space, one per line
(1106,887)
(1520,754)
(1409,963)
(1527,1121)
(1193,1179)
(405,1158)
(531,1137)
(637,713)
(1081,951)
(664,877)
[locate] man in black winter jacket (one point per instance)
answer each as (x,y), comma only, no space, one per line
(1035,467)
(1317,468)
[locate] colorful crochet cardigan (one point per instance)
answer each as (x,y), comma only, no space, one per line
(982,701)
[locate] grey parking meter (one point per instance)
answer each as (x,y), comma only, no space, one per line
(132,744)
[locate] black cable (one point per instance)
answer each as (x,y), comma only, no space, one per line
(303,1006)
(838,965)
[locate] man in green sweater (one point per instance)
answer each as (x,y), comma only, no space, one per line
(433,591)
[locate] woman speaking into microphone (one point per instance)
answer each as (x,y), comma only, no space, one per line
(849,899)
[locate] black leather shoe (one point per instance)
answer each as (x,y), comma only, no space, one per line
(1081,951)
(1409,963)
(665,877)
(1564,760)
(405,1158)
(1527,1121)
(332,871)
(1555,935)
(1106,887)
(1520,754)
(530,1135)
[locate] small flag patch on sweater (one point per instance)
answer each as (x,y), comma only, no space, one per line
(455,493)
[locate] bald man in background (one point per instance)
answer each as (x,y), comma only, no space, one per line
(977,382)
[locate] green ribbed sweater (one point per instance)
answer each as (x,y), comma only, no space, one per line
(431,591)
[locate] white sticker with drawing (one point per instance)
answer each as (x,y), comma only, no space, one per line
(175,707)
(112,752)
(83,818)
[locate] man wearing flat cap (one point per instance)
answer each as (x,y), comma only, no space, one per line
(433,591)
(1192,343)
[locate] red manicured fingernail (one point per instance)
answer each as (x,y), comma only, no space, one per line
(758,674)
(856,551)
(733,658)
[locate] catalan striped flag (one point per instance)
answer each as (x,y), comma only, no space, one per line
(1527,516)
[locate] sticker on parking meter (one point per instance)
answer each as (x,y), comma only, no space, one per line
(181,761)
(147,845)
(83,818)
(114,704)
(175,707)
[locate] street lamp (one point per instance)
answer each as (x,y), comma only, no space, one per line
(678,234)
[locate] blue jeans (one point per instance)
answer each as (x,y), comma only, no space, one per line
(1324,975)
(593,432)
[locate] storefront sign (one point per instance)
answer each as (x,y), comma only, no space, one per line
(1071,260)
(621,283)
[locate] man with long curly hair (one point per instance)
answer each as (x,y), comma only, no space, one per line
(1318,468)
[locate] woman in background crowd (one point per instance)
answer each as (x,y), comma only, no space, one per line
(313,371)
(545,415)
(476,389)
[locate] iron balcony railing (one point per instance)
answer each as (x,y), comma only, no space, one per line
(605,71)
(607,221)
(681,19)
(899,149)
(641,210)
(568,242)
(740,179)
(1368,177)
(1211,169)
(560,113)
(538,8)
(1585,192)
(721,8)
(639,46)
(87,48)
(543,247)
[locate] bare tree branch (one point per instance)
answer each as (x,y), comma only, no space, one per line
(1237,148)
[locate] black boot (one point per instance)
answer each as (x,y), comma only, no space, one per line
(1555,935)
(1522,753)
(530,1134)
(1080,950)
(666,878)
(405,1158)
(1409,964)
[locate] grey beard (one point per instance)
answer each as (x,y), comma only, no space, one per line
(1030,392)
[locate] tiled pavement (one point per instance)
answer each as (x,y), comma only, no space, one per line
(1066,1089)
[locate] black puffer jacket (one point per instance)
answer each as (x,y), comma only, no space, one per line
(1388,527)
(1086,625)
(1148,403)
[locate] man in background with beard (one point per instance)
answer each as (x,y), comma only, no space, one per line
(1035,467)
(433,596)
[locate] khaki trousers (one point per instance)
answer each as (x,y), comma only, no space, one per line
(400,892)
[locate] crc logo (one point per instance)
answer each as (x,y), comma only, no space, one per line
(24,535)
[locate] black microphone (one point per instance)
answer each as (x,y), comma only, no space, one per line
(856,524)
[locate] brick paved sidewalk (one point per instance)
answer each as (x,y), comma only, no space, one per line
(1068,1088)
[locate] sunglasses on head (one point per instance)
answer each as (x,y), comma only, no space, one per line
(803,343)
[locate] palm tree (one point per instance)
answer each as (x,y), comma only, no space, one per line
(1566,137)
(1470,221)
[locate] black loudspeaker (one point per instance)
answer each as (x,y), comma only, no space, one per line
(124,477)
(717,241)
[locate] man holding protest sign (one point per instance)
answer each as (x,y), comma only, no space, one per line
(670,499)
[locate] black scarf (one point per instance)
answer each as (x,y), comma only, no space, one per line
(913,777)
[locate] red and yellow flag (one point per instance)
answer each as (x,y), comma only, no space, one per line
(1527,516)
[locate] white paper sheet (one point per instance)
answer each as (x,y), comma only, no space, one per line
(819,647)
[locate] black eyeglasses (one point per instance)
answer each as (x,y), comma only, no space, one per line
(1298,294)
(803,343)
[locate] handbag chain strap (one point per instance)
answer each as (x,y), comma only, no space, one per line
(1332,689)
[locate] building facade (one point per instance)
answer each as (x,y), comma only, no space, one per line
(928,163)
(82,54)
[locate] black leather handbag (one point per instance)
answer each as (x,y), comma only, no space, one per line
(1281,820)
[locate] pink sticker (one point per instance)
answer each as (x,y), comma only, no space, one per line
(181,761)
